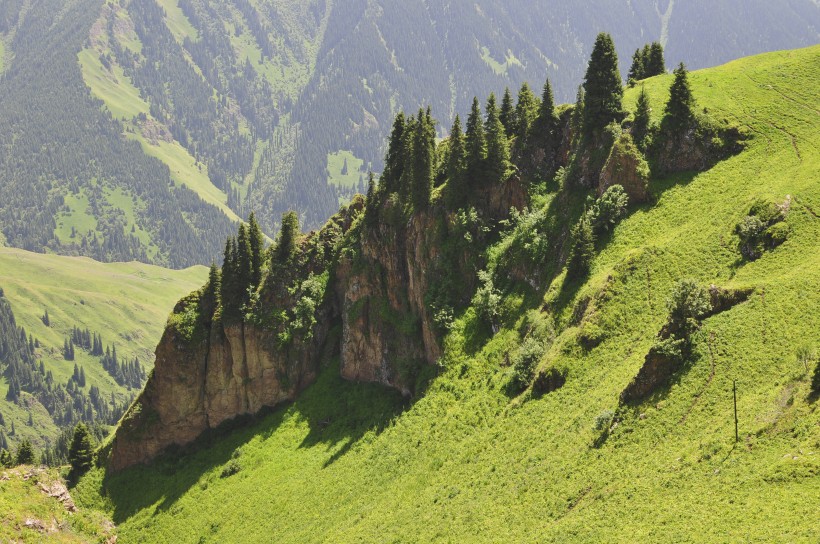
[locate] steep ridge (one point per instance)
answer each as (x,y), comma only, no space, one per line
(524,431)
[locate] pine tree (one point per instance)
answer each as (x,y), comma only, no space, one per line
(213,290)
(243,263)
(498,149)
(583,249)
(636,70)
(25,453)
(577,119)
(526,111)
(257,247)
(81,451)
(371,210)
(476,145)
(6,459)
(424,145)
(654,61)
(394,160)
(82,377)
(456,192)
(640,128)
(286,241)
(46,320)
(679,110)
(545,128)
(602,86)
(507,114)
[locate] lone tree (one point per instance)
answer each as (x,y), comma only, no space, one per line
(25,453)
(285,246)
(640,128)
(81,450)
(602,86)
(680,109)
(583,249)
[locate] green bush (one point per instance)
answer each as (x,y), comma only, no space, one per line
(604,420)
(487,300)
(687,303)
(762,229)
(608,210)
(524,362)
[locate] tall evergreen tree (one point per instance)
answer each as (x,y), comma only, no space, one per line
(6,460)
(602,86)
(507,114)
(526,110)
(257,247)
(286,241)
(636,69)
(243,262)
(394,160)
(640,128)
(577,119)
(654,62)
(456,191)
(583,249)
(476,144)
(213,290)
(545,128)
(230,281)
(498,148)
(680,108)
(81,451)
(371,204)
(424,146)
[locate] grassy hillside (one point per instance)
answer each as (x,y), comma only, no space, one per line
(126,303)
(465,462)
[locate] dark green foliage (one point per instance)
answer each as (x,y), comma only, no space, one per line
(476,144)
(25,453)
(646,62)
(456,190)
(244,273)
(507,113)
(524,362)
(45,319)
(583,249)
(577,120)
(257,248)
(545,131)
(602,86)
(608,210)
(526,111)
(687,303)
(815,380)
(371,211)
(81,451)
(6,459)
(679,111)
(212,297)
(285,246)
(640,127)
(498,148)
(487,300)
(763,229)
(394,161)
(423,153)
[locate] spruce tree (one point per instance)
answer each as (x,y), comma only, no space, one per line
(6,460)
(636,70)
(213,290)
(545,128)
(456,191)
(583,249)
(577,119)
(81,451)
(424,144)
(498,149)
(286,241)
(394,160)
(602,86)
(243,262)
(507,114)
(371,204)
(25,453)
(640,128)
(257,247)
(230,306)
(526,110)
(476,145)
(680,109)
(654,62)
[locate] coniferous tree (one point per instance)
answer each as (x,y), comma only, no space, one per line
(81,451)
(456,192)
(25,453)
(680,109)
(394,160)
(545,128)
(243,263)
(2,421)
(257,247)
(424,145)
(526,111)
(46,320)
(498,149)
(640,128)
(507,113)
(636,70)
(577,119)
(654,62)
(371,210)
(476,145)
(213,290)
(6,460)
(82,377)
(602,86)
(583,249)
(285,246)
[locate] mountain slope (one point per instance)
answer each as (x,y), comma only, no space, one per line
(125,303)
(466,460)
(245,105)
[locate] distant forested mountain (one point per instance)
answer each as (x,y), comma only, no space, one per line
(140,129)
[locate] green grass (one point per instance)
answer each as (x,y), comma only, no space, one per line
(127,303)
(335,165)
(2,55)
(499,68)
(22,499)
(79,217)
(465,463)
(120,96)
(177,22)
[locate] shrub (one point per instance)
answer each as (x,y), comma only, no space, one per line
(604,420)
(762,229)
(487,299)
(230,469)
(687,303)
(25,454)
(524,362)
(609,209)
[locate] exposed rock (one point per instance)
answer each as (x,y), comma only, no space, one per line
(697,148)
(626,166)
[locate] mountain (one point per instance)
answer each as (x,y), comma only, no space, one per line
(634,360)
(142,129)
(49,300)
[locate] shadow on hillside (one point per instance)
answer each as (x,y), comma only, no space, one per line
(338,414)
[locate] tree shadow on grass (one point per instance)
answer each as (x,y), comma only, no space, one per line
(338,413)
